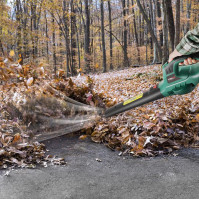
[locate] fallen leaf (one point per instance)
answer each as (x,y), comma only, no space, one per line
(83,137)
(29,82)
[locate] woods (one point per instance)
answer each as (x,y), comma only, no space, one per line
(91,36)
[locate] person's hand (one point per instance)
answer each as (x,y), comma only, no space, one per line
(174,54)
(189,61)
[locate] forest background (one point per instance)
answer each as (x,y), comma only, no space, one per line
(70,36)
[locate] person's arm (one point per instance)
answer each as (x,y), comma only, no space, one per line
(188,45)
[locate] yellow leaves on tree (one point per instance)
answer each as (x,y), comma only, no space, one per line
(12,53)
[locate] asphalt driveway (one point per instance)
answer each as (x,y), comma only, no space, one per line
(95,172)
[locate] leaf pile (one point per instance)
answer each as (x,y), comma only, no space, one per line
(26,94)
(156,128)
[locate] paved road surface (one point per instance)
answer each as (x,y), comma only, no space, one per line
(114,178)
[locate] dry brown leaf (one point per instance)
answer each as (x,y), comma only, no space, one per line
(29,82)
(83,137)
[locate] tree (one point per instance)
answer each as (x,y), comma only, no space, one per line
(177,31)
(19,28)
(188,16)
(71,34)
(54,46)
(2,17)
(103,35)
(153,22)
(87,37)
(125,32)
(135,32)
(73,38)
(165,32)
(171,26)
(66,34)
(159,15)
(110,35)
(150,29)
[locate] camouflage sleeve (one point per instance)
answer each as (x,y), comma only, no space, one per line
(190,42)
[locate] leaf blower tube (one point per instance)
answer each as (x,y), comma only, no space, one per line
(177,80)
(151,95)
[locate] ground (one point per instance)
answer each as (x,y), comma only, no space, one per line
(95,172)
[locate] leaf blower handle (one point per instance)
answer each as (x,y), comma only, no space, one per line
(180,71)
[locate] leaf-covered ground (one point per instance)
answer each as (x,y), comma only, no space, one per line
(28,94)
(155,128)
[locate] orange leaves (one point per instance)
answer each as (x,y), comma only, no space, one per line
(79,70)
(26,70)
(110,103)
(61,73)
(71,82)
(89,80)
(17,138)
(197,117)
(13,72)
(83,137)
(140,141)
(96,65)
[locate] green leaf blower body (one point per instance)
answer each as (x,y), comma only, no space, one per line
(177,80)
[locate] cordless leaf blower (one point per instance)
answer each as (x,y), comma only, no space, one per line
(177,80)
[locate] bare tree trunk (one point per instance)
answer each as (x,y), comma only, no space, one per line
(146,44)
(87,37)
(47,37)
(66,25)
(78,48)
(165,32)
(125,34)
(188,15)
(19,35)
(150,28)
(1,45)
(139,29)
(159,15)
(54,46)
(135,32)
(155,53)
(33,28)
(103,35)
(170,23)
(25,29)
(110,35)
(73,39)
(177,32)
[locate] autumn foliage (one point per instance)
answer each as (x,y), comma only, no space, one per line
(28,92)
